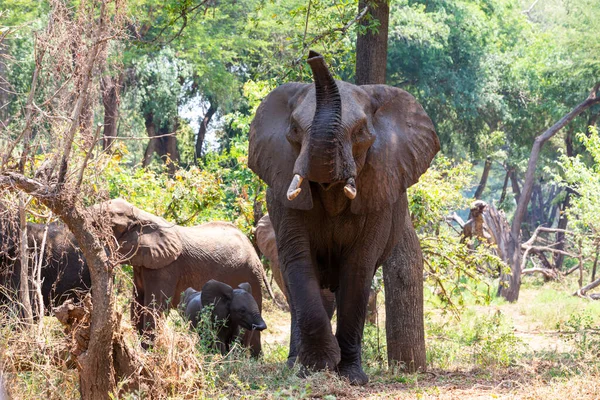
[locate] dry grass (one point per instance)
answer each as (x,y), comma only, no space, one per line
(38,366)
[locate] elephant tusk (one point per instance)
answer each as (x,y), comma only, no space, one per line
(350,189)
(294,189)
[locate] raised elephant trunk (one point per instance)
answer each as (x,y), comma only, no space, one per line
(324,148)
(325,161)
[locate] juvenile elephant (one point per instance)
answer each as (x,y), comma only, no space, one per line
(168,258)
(64,270)
(338,159)
(232,309)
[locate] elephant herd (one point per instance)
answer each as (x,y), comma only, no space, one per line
(167,260)
(337,159)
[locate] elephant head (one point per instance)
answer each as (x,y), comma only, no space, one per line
(235,305)
(147,240)
(369,142)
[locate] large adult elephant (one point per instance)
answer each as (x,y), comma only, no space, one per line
(338,159)
(168,258)
(64,271)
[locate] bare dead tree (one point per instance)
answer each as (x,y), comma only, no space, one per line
(511,284)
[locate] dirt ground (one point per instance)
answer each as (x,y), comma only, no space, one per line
(526,380)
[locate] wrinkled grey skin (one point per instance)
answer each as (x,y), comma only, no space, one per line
(169,258)
(338,159)
(65,273)
(232,309)
(267,244)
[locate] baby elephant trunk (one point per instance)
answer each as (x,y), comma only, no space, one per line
(259,324)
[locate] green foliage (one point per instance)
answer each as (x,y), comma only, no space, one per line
(484,340)
(581,330)
(374,348)
(454,270)
(582,177)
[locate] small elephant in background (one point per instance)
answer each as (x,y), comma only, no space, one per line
(233,309)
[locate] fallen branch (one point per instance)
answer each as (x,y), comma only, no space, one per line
(548,273)
(582,292)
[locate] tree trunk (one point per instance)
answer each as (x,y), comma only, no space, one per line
(595,262)
(403,283)
(95,365)
(203,127)
(484,177)
(403,272)
(371,48)
(504,187)
(563,221)
(110,88)
(514,183)
(152,144)
(511,292)
(163,142)
(24,297)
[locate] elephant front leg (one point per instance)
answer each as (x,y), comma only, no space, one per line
(137,304)
(318,348)
(352,298)
(159,290)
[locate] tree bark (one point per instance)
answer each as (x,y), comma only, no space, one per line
(504,187)
(403,282)
(110,87)
(371,48)
(514,183)
(484,177)
(212,109)
(511,291)
(96,370)
(163,142)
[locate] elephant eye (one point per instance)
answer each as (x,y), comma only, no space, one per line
(361,137)
(243,310)
(294,135)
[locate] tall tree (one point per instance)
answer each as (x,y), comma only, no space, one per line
(403,272)
(371,47)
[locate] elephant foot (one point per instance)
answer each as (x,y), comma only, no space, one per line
(354,373)
(320,358)
(291,361)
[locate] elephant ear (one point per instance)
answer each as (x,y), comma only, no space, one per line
(218,293)
(405,143)
(246,286)
(270,155)
(149,241)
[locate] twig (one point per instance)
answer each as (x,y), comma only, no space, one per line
(87,158)
(140,138)
(342,30)
(87,77)
(526,12)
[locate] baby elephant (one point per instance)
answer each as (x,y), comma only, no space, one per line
(233,309)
